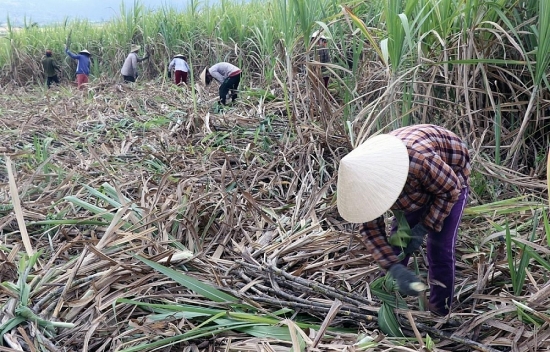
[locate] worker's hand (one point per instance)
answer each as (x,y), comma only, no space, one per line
(417,237)
(407,282)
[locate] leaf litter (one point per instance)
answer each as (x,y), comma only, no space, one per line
(242,204)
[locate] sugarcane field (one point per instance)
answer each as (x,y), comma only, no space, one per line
(277,176)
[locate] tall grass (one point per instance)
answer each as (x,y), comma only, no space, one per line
(542,34)
(458,60)
(449,62)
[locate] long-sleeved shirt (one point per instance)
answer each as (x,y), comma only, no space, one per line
(178,64)
(130,68)
(50,67)
(324,56)
(439,167)
(222,70)
(83,62)
(322,53)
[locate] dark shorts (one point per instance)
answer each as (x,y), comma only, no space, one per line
(231,83)
(180,77)
(52,79)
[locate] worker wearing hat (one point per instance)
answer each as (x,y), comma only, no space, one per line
(181,69)
(422,171)
(227,75)
(322,53)
(82,66)
(50,69)
(130,68)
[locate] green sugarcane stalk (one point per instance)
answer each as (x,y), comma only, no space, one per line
(68,42)
(27,313)
(402,236)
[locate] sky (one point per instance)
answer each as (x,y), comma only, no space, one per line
(52,11)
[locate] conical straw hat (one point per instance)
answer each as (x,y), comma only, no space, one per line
(85,52)
(203,76)
(134,47)
(371,177)
(316,34)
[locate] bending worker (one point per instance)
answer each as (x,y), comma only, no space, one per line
(227,75)
(181,69)
(423,172)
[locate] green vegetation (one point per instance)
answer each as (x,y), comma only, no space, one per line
(138,217)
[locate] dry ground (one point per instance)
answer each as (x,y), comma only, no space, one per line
(242,200)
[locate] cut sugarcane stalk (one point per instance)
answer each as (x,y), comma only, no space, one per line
(418,286)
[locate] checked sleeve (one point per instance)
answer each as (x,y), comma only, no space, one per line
(444,185)
(374,235)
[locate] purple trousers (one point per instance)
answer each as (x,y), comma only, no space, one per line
(441,255)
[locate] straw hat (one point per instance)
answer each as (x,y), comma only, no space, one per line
(134,47)
(180,56)
(203,76)
(85,52)
(371,177)
(316,34)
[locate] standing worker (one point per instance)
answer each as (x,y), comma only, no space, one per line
(323,53)
(129,69)
(82,66)
(181,69)
(423,172)
(50,69)
(227,75)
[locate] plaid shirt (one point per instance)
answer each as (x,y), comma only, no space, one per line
(439,168)
(324,58)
